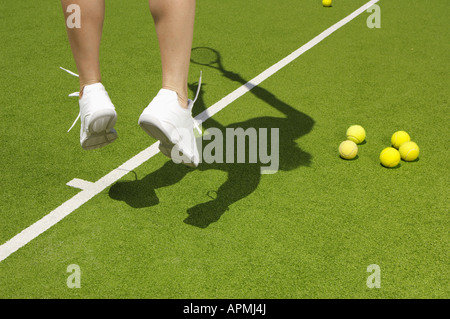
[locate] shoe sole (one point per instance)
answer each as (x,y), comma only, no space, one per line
(154,128)
(100,130)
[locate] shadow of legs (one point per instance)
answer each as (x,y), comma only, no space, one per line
(141,193)
(243,179)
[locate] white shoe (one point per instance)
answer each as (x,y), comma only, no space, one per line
(98,117)
(167,121)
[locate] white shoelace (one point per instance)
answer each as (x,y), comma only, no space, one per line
(196,124)
(73,94)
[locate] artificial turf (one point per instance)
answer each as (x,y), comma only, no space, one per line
(224,230)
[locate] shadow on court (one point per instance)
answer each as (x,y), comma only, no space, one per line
(242,179)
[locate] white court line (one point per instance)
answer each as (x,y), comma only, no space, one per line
(79,183)
(89,190)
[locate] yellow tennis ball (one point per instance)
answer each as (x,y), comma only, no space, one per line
(399,137)
(389,157)
(409,151)
(356,133)
(348,149)
(326,3)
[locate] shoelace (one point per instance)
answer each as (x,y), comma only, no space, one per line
(196,124)
(73,94)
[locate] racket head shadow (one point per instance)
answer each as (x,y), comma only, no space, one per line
(206,56)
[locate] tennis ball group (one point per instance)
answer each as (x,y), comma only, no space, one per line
(402,147)
(355,135)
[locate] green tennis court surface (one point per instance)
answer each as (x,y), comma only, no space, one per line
(224,230)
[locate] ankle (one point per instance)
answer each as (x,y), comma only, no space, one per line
(183,101)
(182,96)
(84,84)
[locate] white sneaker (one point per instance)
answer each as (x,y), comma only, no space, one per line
(98,117)
(167,121)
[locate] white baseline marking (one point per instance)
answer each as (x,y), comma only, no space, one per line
(92,189)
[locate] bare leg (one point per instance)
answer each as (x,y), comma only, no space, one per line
(174,22)
(85,41)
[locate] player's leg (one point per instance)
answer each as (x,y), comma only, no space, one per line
(97,113)
(174,23)
(85,41)
(168,117)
